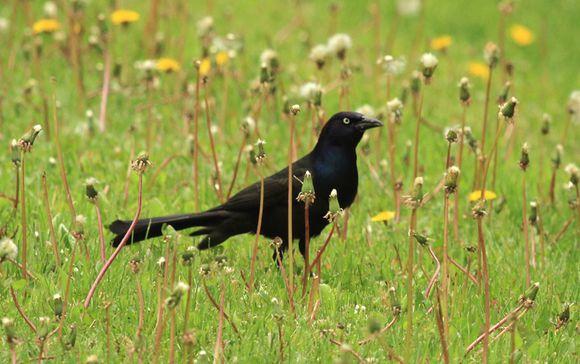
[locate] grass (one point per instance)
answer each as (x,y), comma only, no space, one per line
(358,271)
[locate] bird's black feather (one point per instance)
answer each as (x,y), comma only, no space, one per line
(332,164)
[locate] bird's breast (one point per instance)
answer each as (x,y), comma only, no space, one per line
(336,172)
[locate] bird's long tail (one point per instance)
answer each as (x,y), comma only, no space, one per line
(151,227)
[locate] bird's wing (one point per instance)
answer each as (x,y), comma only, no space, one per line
(275,189)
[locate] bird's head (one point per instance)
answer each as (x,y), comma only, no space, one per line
(346,128)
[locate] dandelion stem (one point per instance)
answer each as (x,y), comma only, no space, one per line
(21,311)
(53,240)
(215,304)
(526,230)
(257,238)
(236,167)
(61,162)
(318,257)
(24,226)
(196,140)
(290,205)
(213,150)
(417,128)
(306,246)
(218,349)
(485,113)
(119,247)
(102,243)
(410,300)
(485,277)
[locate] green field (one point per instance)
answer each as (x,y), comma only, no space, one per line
(149,110)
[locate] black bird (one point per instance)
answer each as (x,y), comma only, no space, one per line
(332,164)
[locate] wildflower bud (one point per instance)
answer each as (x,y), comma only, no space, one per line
(91,192)
(546,122)
(451,136)
(92,359)
(27,140)
(15,153)
(140,164)
(572,170)
(498,207)
(248,125)
(264,75)
(395,109)
(307,194)
(8,325)
(339,44)
(574,105)
(564,316)
(8,250)
(188,338)
(295,109)
(533,212)
(269,57)
(57,305)
(572,200)
(508,109)
(261,157)
(276,243)
(503,96)
(478,211)
(464,93)
(319,55)
(43,328)
(69,341)
(161,263)
(451,178)
(557,156)
(524,157)
(532,292)
(404,92)
(135,264)
(421,239)
(395,304)
(334,209)
(415,82)
(173,300)
(374,325)
(417,193)
(491,54)
(188,255)
(429,63)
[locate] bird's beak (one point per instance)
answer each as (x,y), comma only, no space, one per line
(368,123)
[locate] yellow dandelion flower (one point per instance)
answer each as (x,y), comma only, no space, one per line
(479,69)
(205,67)
(222,58)
(45,26)
(476,195)
(441,43)
(522,35)
(383,216)
(168,65)
(124,17)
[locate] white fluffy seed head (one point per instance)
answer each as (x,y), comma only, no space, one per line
(8,250)
(339,43)
(428,60)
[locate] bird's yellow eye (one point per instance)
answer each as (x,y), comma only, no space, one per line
(346,121)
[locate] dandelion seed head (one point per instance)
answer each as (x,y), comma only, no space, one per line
(408,7)
(428,60)
(367,110)
(339,44)
(204,26)
(8,250)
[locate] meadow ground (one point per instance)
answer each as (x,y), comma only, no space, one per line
(363,284)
